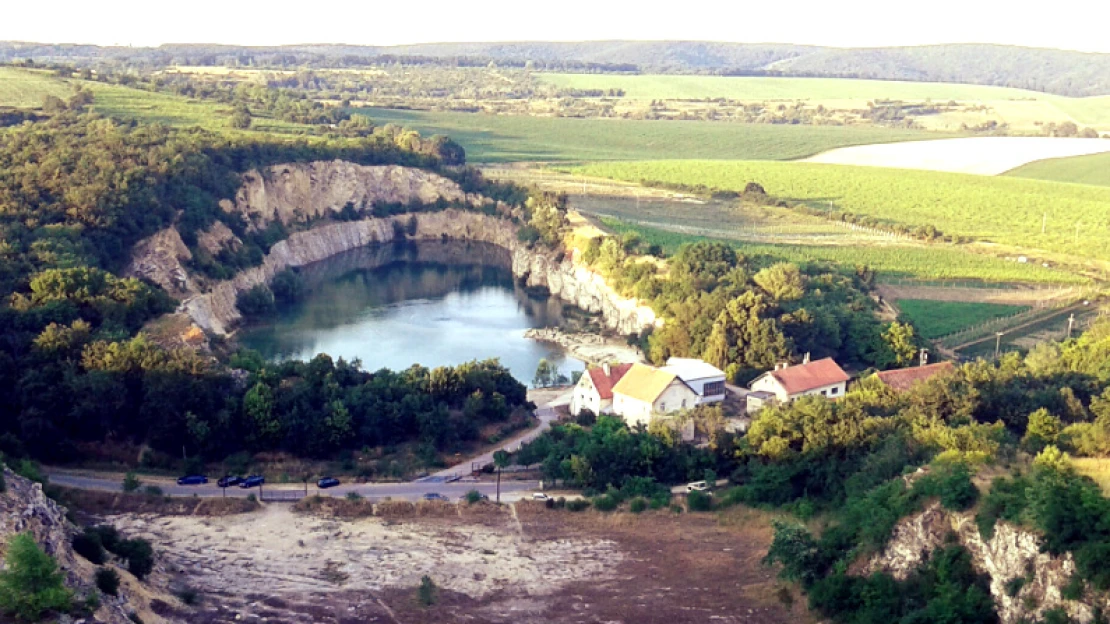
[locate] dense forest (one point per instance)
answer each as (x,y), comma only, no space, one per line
(1053,71)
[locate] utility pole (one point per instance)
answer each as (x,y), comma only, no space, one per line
(997,344)
(499,485)
(1071,323)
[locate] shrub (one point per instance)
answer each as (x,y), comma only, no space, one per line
(605,502)
(473,496)
(109,537)
(139,555)
(578,504)
(31,585)
(251,498)
(1014,585)
(638,505)
(152,490)
(131,482)
(134,617)
(188,595)
(1074,589)
(258,301)
(426,593)
(699,501)
(107,581)
(88,545)
(3,482)
(354,496)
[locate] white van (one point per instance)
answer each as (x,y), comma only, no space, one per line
(697,486)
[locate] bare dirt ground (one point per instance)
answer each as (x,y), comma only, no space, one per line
(1013,296)
(497,565)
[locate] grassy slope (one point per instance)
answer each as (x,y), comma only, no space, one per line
(495,138)
(997,209)
(924,262)
(1092,169)
(940,318)
(22,88)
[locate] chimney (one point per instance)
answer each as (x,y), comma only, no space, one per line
(806,360)
(605,367)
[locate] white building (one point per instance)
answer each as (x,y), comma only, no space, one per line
(706,380)
(786,383)
(594,390)
(645,391)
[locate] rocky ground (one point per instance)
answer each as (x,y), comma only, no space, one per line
(499,565)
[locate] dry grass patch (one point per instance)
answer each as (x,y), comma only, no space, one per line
(98,503)
(1096,468)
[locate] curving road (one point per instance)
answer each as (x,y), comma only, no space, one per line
(440,482)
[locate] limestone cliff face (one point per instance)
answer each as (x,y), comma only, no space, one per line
(294,192)
(1010,553)
(215,310)
(25,509)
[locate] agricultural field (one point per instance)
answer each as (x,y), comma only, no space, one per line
(934,319)
(1024,111)
(918,262)
(1047,327)
(1002,210)
(1092,169)
(509,138)
(978,155)
(21,88)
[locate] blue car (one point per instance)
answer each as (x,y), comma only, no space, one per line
(252,481)
(192,480)
(327,482)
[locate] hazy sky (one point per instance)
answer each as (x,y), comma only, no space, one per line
(1069,24)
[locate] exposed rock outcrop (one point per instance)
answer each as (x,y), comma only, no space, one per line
(296,192)
(25,509)
(1011,552)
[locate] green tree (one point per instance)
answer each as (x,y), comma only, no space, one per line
(131,482)
(241,118)
(900,344)
(548,215)
(31,585)
(1043,430)
(258,405)
(782,281)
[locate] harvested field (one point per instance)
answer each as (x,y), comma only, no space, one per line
(978,155)
(489,564)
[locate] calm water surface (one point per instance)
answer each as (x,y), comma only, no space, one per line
(428,303)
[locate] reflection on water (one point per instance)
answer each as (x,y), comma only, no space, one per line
(432,303)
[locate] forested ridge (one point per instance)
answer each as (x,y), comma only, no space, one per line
(1063,72)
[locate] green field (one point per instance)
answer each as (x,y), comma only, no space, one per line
(934,319)
(921,262)
(1012,104)
(992,209)
(22,88)
(1091,169)
(505,138)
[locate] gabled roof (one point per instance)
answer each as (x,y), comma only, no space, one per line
(644,383)
(604,383)
(690,369)
(903,379)
(806,377)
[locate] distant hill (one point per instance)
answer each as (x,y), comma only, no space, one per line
(1052,71)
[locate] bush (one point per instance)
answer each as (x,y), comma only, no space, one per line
(426,593)
(1014,585)
(188,595)
(109,537)
(134,617)
(31,585)
(605,502)
(354,496)
(638,505)
(578,504)
(139,555)
(258,301)
(473,496)
(699,501)
(107,581)
(88,545)
(152,490)
(131,482)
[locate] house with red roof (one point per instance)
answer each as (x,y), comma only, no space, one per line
(786,382)
(594,390)
(902,379)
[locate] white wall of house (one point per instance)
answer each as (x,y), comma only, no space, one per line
(768,383)
(698,385)
(675,397)
(586,396)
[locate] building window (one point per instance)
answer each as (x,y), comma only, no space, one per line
(662,407)
(683,402)
(713,388)
(832,391)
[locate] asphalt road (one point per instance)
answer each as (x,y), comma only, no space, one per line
(511,490)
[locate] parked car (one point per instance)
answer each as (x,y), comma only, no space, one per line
(192,480)
(229,480)
(327,482)
(435,496)
(540,496)
(252,481)
(697,486)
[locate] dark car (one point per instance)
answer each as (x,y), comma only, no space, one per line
(229,481)
(252,481)
(434,496)
(327,482)
(192,480)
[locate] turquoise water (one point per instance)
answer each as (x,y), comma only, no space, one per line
(428,303)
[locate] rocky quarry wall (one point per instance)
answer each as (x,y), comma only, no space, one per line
(293,193)
(1011,552)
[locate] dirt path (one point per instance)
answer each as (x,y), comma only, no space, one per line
(1012,296)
